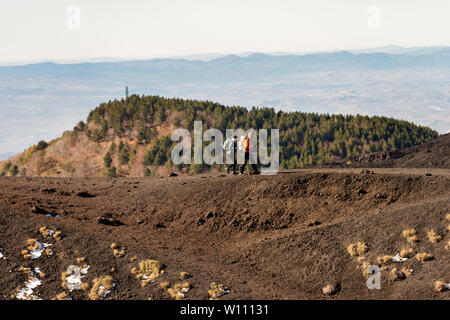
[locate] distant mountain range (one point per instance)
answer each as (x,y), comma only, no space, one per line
(39,101)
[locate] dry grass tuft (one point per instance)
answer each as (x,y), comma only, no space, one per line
(422,257)
(384,260)
(364,267)
(114,245)
(149,267)
(184,275)
(100,286)
(447,246)
(447,216)
(61,296)
(58,235)
(178,291)
(31,242)
(407,253)
(45,232)
(433,236)
(361,259)
(118,251)
(81,260)
(410,235)
(217,290)
(148,271)
(133,258)
(357,249)
(84,286)
(64,276)
(406,272)
(440,286)
(25,270)
(31,246)
(397,274)
(164,284)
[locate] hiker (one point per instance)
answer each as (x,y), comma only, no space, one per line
(230,145)
(247,148)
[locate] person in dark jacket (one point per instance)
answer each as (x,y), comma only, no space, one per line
(230,145)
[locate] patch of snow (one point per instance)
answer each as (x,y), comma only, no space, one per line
(144,277)
(49,215)
(447,286)
(36,253)
(224,292)
(76,274)
(1,254)
(182,292)
(26,293)
(219,294)
(73,282)
(397,258)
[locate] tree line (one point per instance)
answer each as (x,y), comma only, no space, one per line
(306,139)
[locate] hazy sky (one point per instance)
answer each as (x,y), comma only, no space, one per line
(32,30)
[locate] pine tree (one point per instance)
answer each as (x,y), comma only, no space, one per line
(42,145)
(14,171)
(107,160)
(124,155)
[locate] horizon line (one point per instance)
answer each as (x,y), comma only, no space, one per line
(213,56)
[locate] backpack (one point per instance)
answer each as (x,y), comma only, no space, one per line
(247,144)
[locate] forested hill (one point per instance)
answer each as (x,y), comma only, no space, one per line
(131,137)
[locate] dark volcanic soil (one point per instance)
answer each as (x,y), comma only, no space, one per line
(433,154)
(265,237)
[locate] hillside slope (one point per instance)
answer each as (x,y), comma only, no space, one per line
(131,137)
(432,154)
(265,237)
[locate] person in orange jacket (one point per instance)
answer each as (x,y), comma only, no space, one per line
(247,148)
